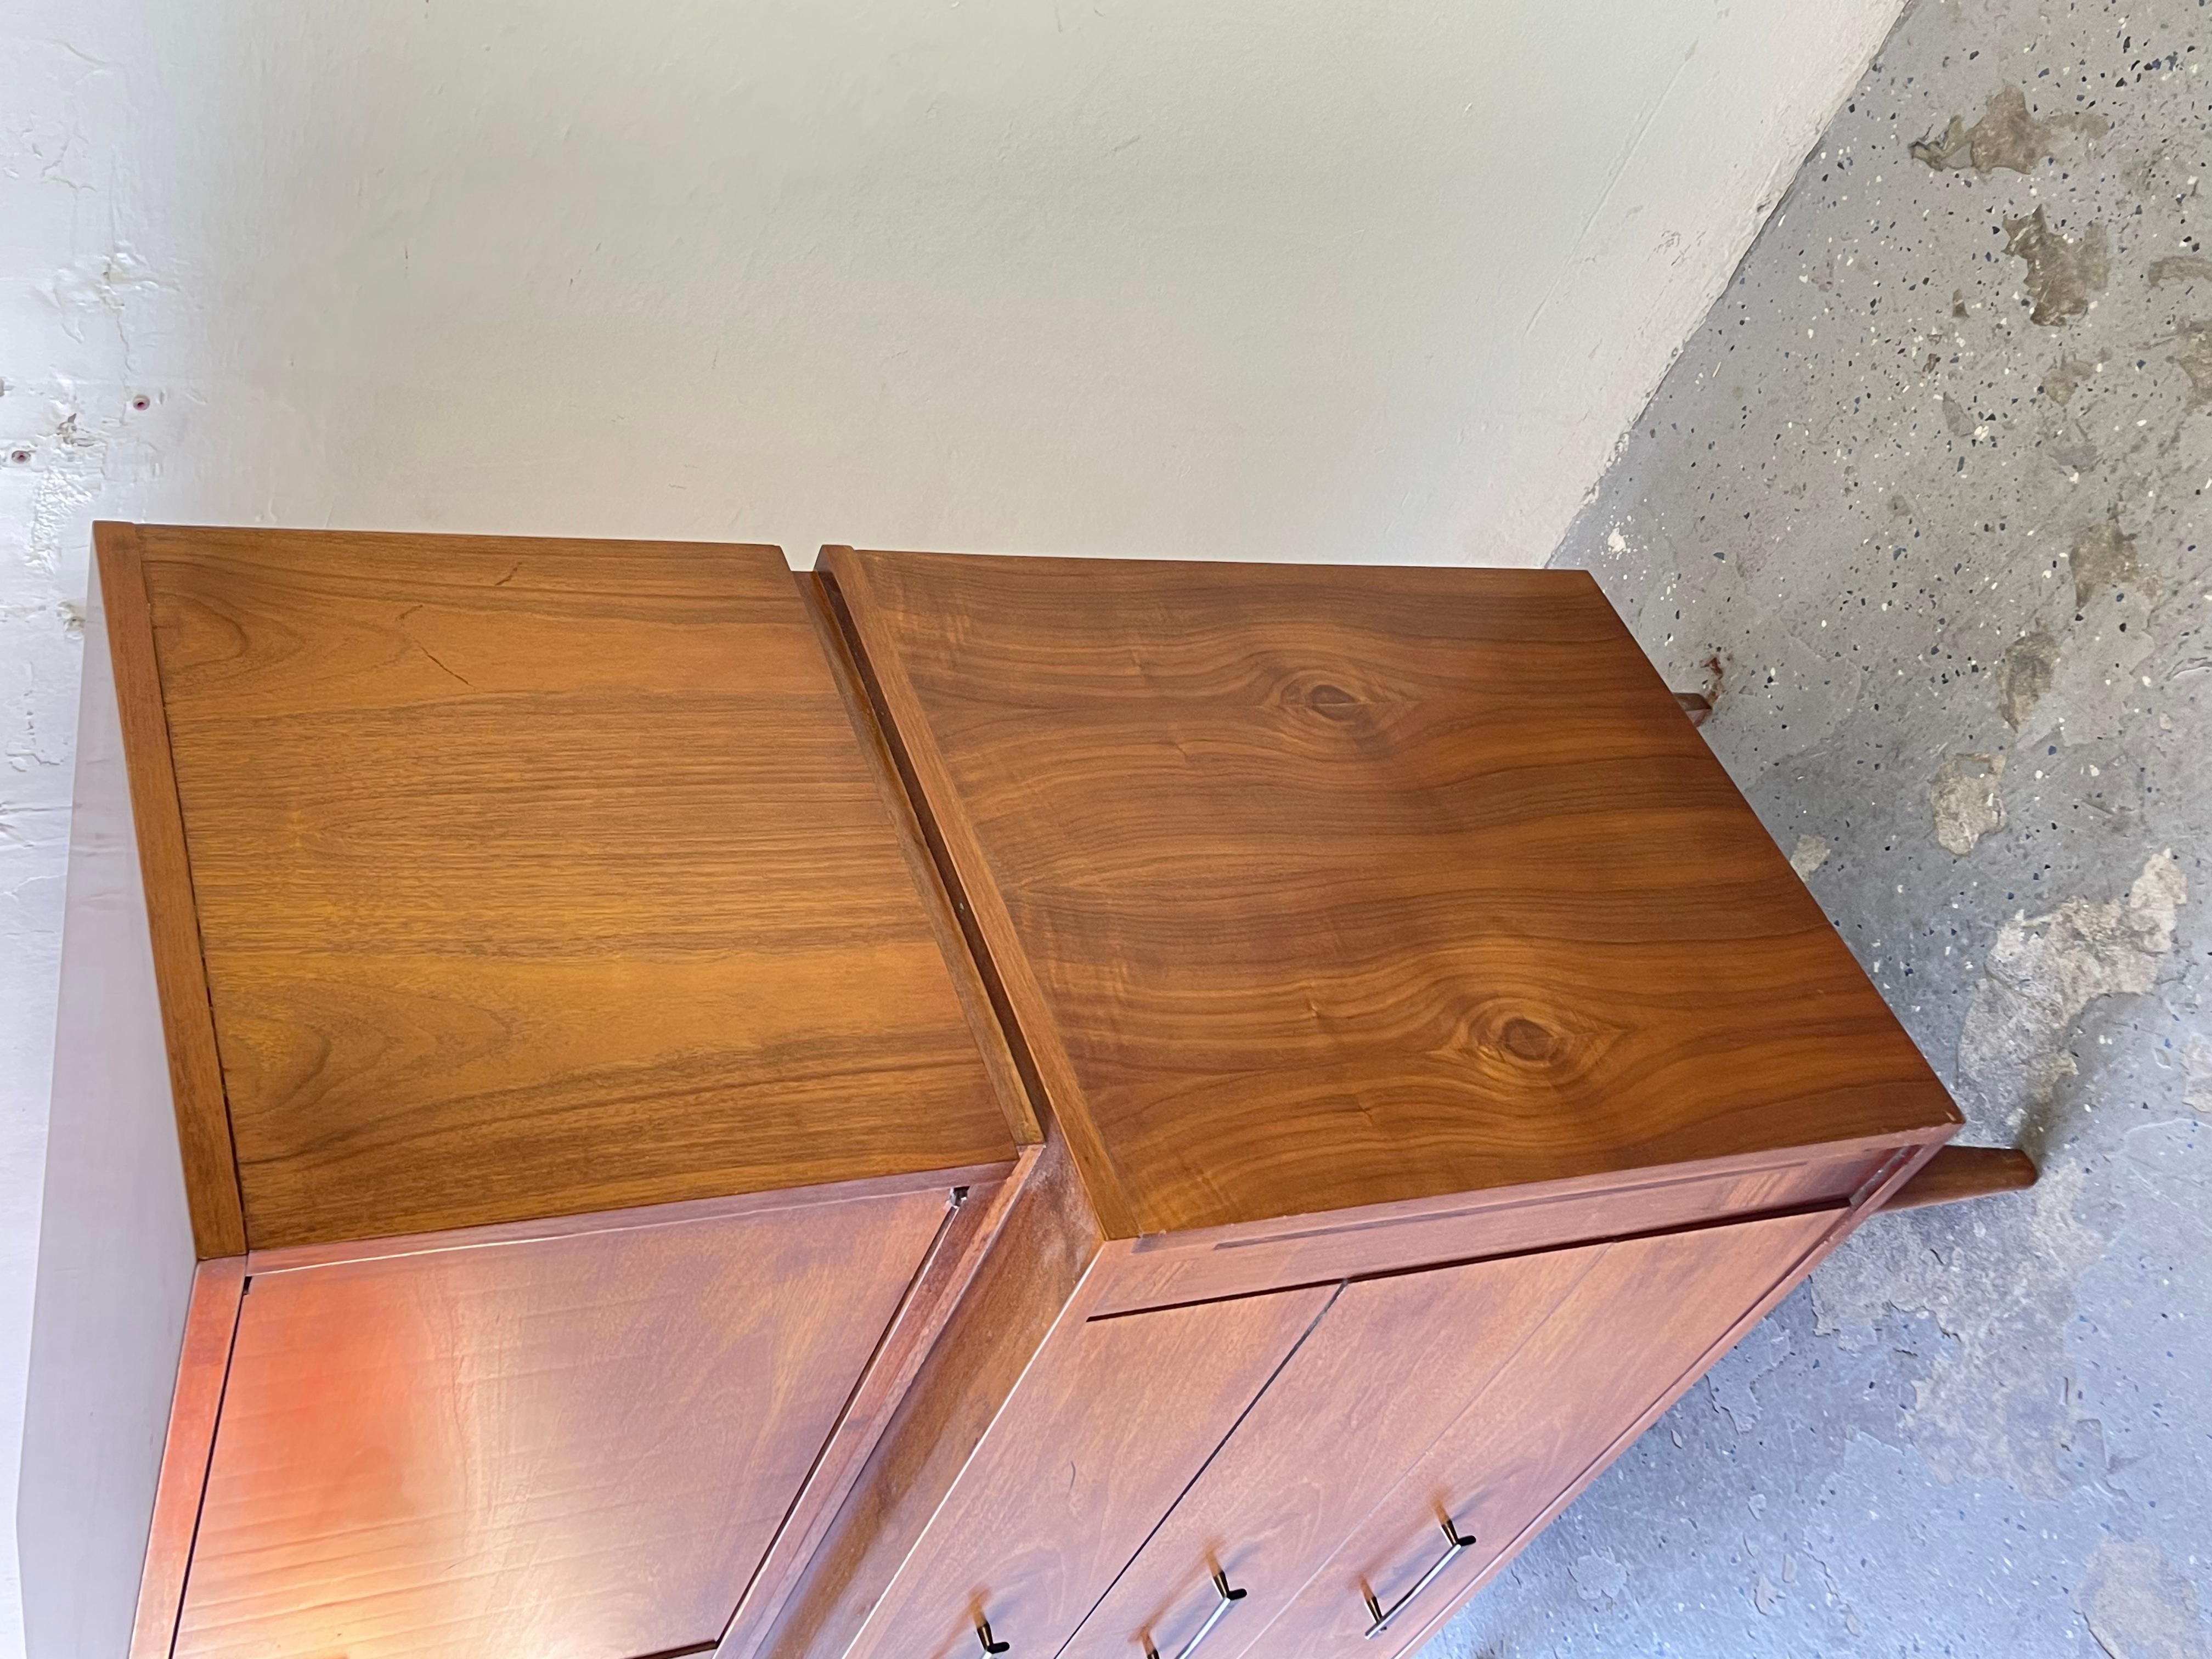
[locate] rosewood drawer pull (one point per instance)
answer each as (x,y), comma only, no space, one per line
(1230,1598)
(984,1635)
(1383,1617)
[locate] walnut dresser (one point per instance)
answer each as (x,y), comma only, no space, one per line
(1069,1108)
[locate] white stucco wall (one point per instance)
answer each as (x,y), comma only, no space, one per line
(1289,279)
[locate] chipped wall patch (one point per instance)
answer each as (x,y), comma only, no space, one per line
(1598,1578)
(2029,666)
(2103,556)
(2196,1070)
(1808,855)
(2139,1605)
(1988,1410)
(2007,136)
(1966,801)
(2065,379)
(2043,971)
(2063,271)
(2177,268)
(2192,354)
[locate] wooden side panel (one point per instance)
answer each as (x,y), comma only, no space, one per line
(539,877)
(1032,1279)
(1391,1365)
(573,1448)
(196,1081)
(1108,1427)
(978,1219)
(1649,1317)
(1314,888)
(202,1368)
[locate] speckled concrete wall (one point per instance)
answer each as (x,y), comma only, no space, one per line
(1924,504)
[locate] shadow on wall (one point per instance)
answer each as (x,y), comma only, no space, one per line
(115,1244)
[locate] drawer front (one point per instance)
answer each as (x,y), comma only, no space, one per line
(1104,1432)
(1647,1318)
(1392,1363)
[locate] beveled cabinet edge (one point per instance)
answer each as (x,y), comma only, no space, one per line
(971,1228)
(203,1371)
(1245,1259)
(1041,1276)
(295,1258)
(1011,1081)
(200,1103)
(975,899)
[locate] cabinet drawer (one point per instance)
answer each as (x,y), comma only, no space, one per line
(1390,1366)
(1648,1316)
(1104,1432)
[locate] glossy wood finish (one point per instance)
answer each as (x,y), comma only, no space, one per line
(1646,1318)
(1392,1363)
(946,1275)
(1039,1276)
(195,1082)
(996,1038)
(1090,1453)
(202,1367)
(537,878)
(1381,1239)
(1956,1173)
(568,1447)
(1317,887)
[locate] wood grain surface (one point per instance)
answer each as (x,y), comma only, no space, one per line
(1037,1275)
(1218,1261)
(1106,1430)
(535,877)
(568,1447)
(1956,1173)
(1391,1365)
(196,1082)
(1644,1320)
(1319,887)
(973,1226)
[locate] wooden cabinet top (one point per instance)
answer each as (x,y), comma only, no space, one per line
(1312,887)
(528,878)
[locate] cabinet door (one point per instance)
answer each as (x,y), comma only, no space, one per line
(1390,1365)
(567,1448)
(1108,1427)
(1649,1316)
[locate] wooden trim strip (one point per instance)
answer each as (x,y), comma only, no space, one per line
(203,1133)
(295,1258)
(196,1407)
(1009,1082)
(1447,1207)
(1218,1262)
(966,874)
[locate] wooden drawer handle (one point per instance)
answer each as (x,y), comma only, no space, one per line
(1382,1616)
(984,1635)
(1230,1598)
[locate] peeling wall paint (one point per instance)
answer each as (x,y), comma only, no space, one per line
(1934,483)
(1240,280)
